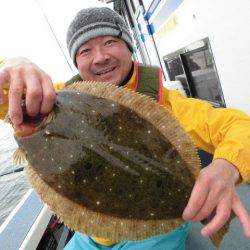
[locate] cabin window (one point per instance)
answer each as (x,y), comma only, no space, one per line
(195,68)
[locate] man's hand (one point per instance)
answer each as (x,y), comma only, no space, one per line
(23,76)
(215,189)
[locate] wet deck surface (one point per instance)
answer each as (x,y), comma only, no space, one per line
(234,239)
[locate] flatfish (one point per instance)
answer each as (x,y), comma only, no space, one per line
(111,163)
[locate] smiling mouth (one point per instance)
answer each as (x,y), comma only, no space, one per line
(103,72)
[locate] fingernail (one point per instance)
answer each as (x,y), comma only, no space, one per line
(204,233)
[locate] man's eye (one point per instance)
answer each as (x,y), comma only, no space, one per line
(84,51)
(110,42)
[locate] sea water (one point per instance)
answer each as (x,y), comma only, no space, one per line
(12,185)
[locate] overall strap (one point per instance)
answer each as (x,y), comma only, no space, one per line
(149,81)
(75,78)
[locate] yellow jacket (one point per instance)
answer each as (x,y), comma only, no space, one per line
(223,132)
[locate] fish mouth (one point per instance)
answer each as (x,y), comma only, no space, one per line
(30,125)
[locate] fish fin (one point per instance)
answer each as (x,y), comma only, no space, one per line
(19,157)
(50,117)
(218,237)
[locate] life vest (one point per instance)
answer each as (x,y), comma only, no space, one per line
(148,82)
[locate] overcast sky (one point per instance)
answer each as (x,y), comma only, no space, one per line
(25,32)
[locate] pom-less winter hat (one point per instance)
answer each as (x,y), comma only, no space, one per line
(94,22)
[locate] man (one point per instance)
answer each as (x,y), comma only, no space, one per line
(100,46)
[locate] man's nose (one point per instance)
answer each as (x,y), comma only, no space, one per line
(100,56)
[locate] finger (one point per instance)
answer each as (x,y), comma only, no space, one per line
(197,199)
(209,205)
(34,93)
(15,97)
(49,95)
(4,78)
(1,93)
(223,212)
(242,214)
(211,202)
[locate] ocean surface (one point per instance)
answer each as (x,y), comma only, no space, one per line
(13,185)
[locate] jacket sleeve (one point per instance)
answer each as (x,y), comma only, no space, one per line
(5,105)
(223,132)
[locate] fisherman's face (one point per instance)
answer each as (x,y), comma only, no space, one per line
(105,59)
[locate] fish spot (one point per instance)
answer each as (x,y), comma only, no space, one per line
(120,127)
(152,214)
(178,162)
(82,121)
(78,93)
(149,132)
(59,186)
(47,132)
(141,181)
(110,189)
(113,174)
(72,172)
(71,156)
(118,139)
(84,181)
(91,145)
(59,168)
(93,111)
(52,159)
(96,178)
(112,104)
(98,203)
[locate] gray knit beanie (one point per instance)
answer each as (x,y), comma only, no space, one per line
(94,22)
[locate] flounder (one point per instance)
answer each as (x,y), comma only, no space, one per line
(111,163)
